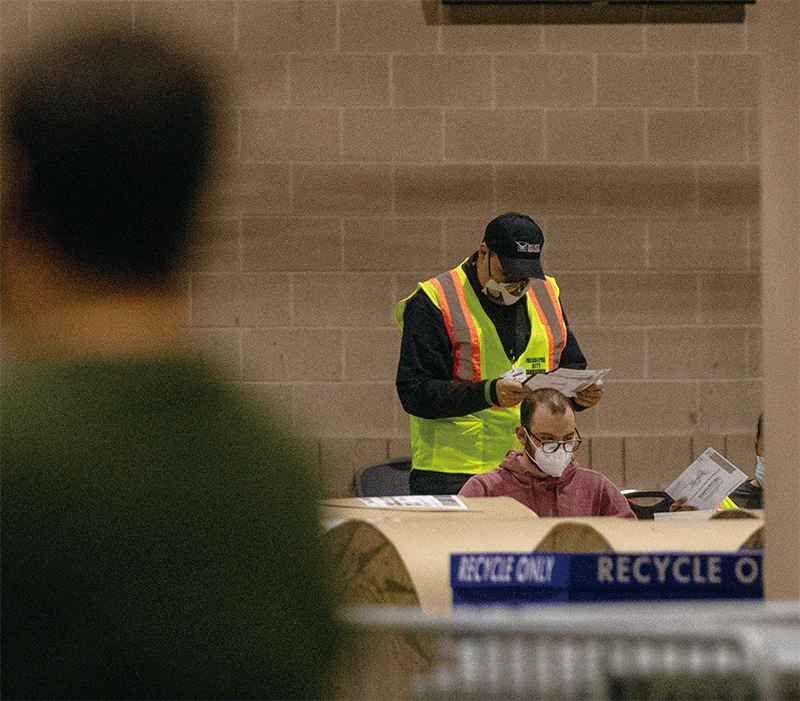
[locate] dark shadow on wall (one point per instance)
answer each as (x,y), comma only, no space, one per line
(437,12)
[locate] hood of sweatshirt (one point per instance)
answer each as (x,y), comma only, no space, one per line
(514,462)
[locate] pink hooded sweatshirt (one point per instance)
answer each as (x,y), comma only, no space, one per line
(577,492)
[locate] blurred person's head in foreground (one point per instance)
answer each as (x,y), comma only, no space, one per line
(106,138)
(159,530)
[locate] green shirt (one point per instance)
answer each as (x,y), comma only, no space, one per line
(159,540)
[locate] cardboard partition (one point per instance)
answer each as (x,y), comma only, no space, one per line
(355,507)
(602,534)
(401,557)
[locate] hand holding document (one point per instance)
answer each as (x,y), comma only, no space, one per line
(567,381)
(707,481)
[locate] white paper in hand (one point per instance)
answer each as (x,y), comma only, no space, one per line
(567,381)
(707,481)
(517,374)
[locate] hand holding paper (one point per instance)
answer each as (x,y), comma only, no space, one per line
(707,481)
(588,397)
(510,392)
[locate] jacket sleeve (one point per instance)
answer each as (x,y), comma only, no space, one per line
(425,369)
(614,502)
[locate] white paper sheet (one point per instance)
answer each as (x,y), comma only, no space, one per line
(684,515)
(441,502)
(707,481)
(565,380)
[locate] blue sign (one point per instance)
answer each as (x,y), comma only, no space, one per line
(523,578)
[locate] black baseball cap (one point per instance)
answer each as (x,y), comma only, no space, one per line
(518,241)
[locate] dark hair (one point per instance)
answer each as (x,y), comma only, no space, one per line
(115,130)
(732,513)
(551,398)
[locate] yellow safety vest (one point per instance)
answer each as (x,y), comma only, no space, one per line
(478,442)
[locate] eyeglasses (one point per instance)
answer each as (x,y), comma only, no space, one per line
(570,446)
(517,287)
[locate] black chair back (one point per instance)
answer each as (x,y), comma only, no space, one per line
(387,479)
(646,502)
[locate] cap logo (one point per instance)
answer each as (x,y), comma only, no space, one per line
(525,247)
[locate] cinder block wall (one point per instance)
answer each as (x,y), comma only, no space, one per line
(370,141)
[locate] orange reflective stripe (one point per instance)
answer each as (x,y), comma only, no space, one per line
(460,326)
(543,321)
(448,322)
(562,327)
(469,321)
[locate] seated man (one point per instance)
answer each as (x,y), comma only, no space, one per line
(543,475)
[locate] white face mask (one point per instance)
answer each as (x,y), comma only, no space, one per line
(760,469)
(551,463)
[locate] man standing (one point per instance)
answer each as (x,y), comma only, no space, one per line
(544,475)
(159,532)
(464,329)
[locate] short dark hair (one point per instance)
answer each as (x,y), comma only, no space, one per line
(115,128)
(732,513)
(551,398)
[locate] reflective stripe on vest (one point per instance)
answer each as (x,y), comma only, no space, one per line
(545,301)
(460,326)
